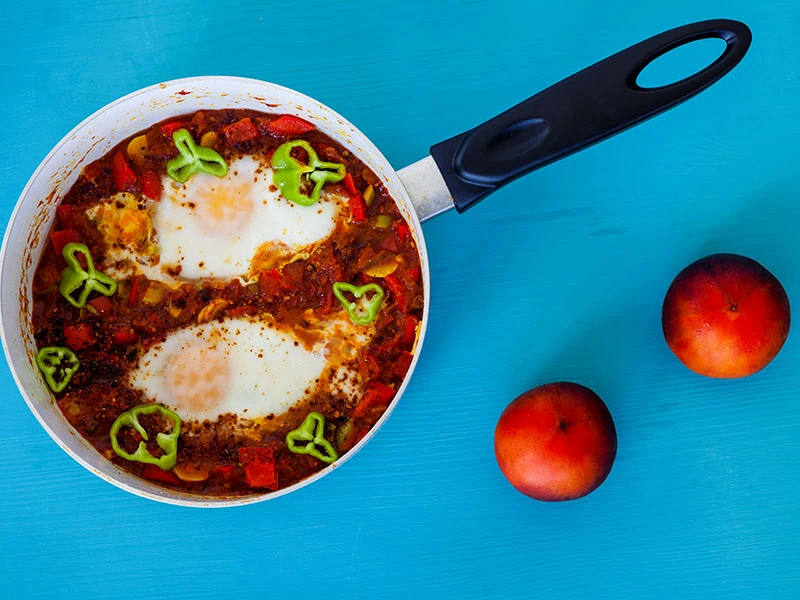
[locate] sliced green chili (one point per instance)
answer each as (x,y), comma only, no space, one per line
(366,311)
(84,281)
(168,442)
(289,172)
(310,437)
(58,365)
(194,158)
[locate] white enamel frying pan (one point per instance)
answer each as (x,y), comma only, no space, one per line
(581,110)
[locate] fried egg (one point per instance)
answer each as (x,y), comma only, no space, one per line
(248,367)
(127,227)
(212,227)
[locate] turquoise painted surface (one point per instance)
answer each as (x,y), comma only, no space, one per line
(565,282)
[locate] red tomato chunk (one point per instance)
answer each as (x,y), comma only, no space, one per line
(259,467)
(64,237)
(79,336)
(289,125)
(241,131)
(124,177)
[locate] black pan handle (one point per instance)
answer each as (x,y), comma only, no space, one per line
(586,108)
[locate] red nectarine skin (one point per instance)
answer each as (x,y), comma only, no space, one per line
(725,316)
(556,442)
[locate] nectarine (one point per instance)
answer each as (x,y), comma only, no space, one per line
(725,316)
(556,442)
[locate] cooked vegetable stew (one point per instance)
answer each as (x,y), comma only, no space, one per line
(228,302)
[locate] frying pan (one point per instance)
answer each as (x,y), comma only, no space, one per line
(581,110)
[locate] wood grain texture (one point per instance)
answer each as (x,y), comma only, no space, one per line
(560,275)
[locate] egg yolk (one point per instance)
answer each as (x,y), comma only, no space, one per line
(224,206)
(124,224)
(132,226)
(197,378)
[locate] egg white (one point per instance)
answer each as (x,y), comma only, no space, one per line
(212,227)
(247,367)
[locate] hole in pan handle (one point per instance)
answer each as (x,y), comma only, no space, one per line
(583,109)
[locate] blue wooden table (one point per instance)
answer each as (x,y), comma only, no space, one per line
(559,276)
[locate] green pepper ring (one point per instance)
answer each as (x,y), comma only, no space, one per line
(312,431)
(288,172)
(167,442)
(193,158)
(75,276)
(49,358)
(369,312)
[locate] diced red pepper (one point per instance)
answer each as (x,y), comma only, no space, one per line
(397,288)
(410,323)
(102,304)
(223,472)
(169,128)
(64,237)
(381,392)
(378,395)
(154,473)
(371,367)
(357,208)
(289,125)
(389,243)
(240,131)
(402,230)
(134,292)
(151,185)
(69,216)
(259,467)
(93,170)
(350,185)
(121,173)
(402,364)
(125,336)
(79,336)
(269,284)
